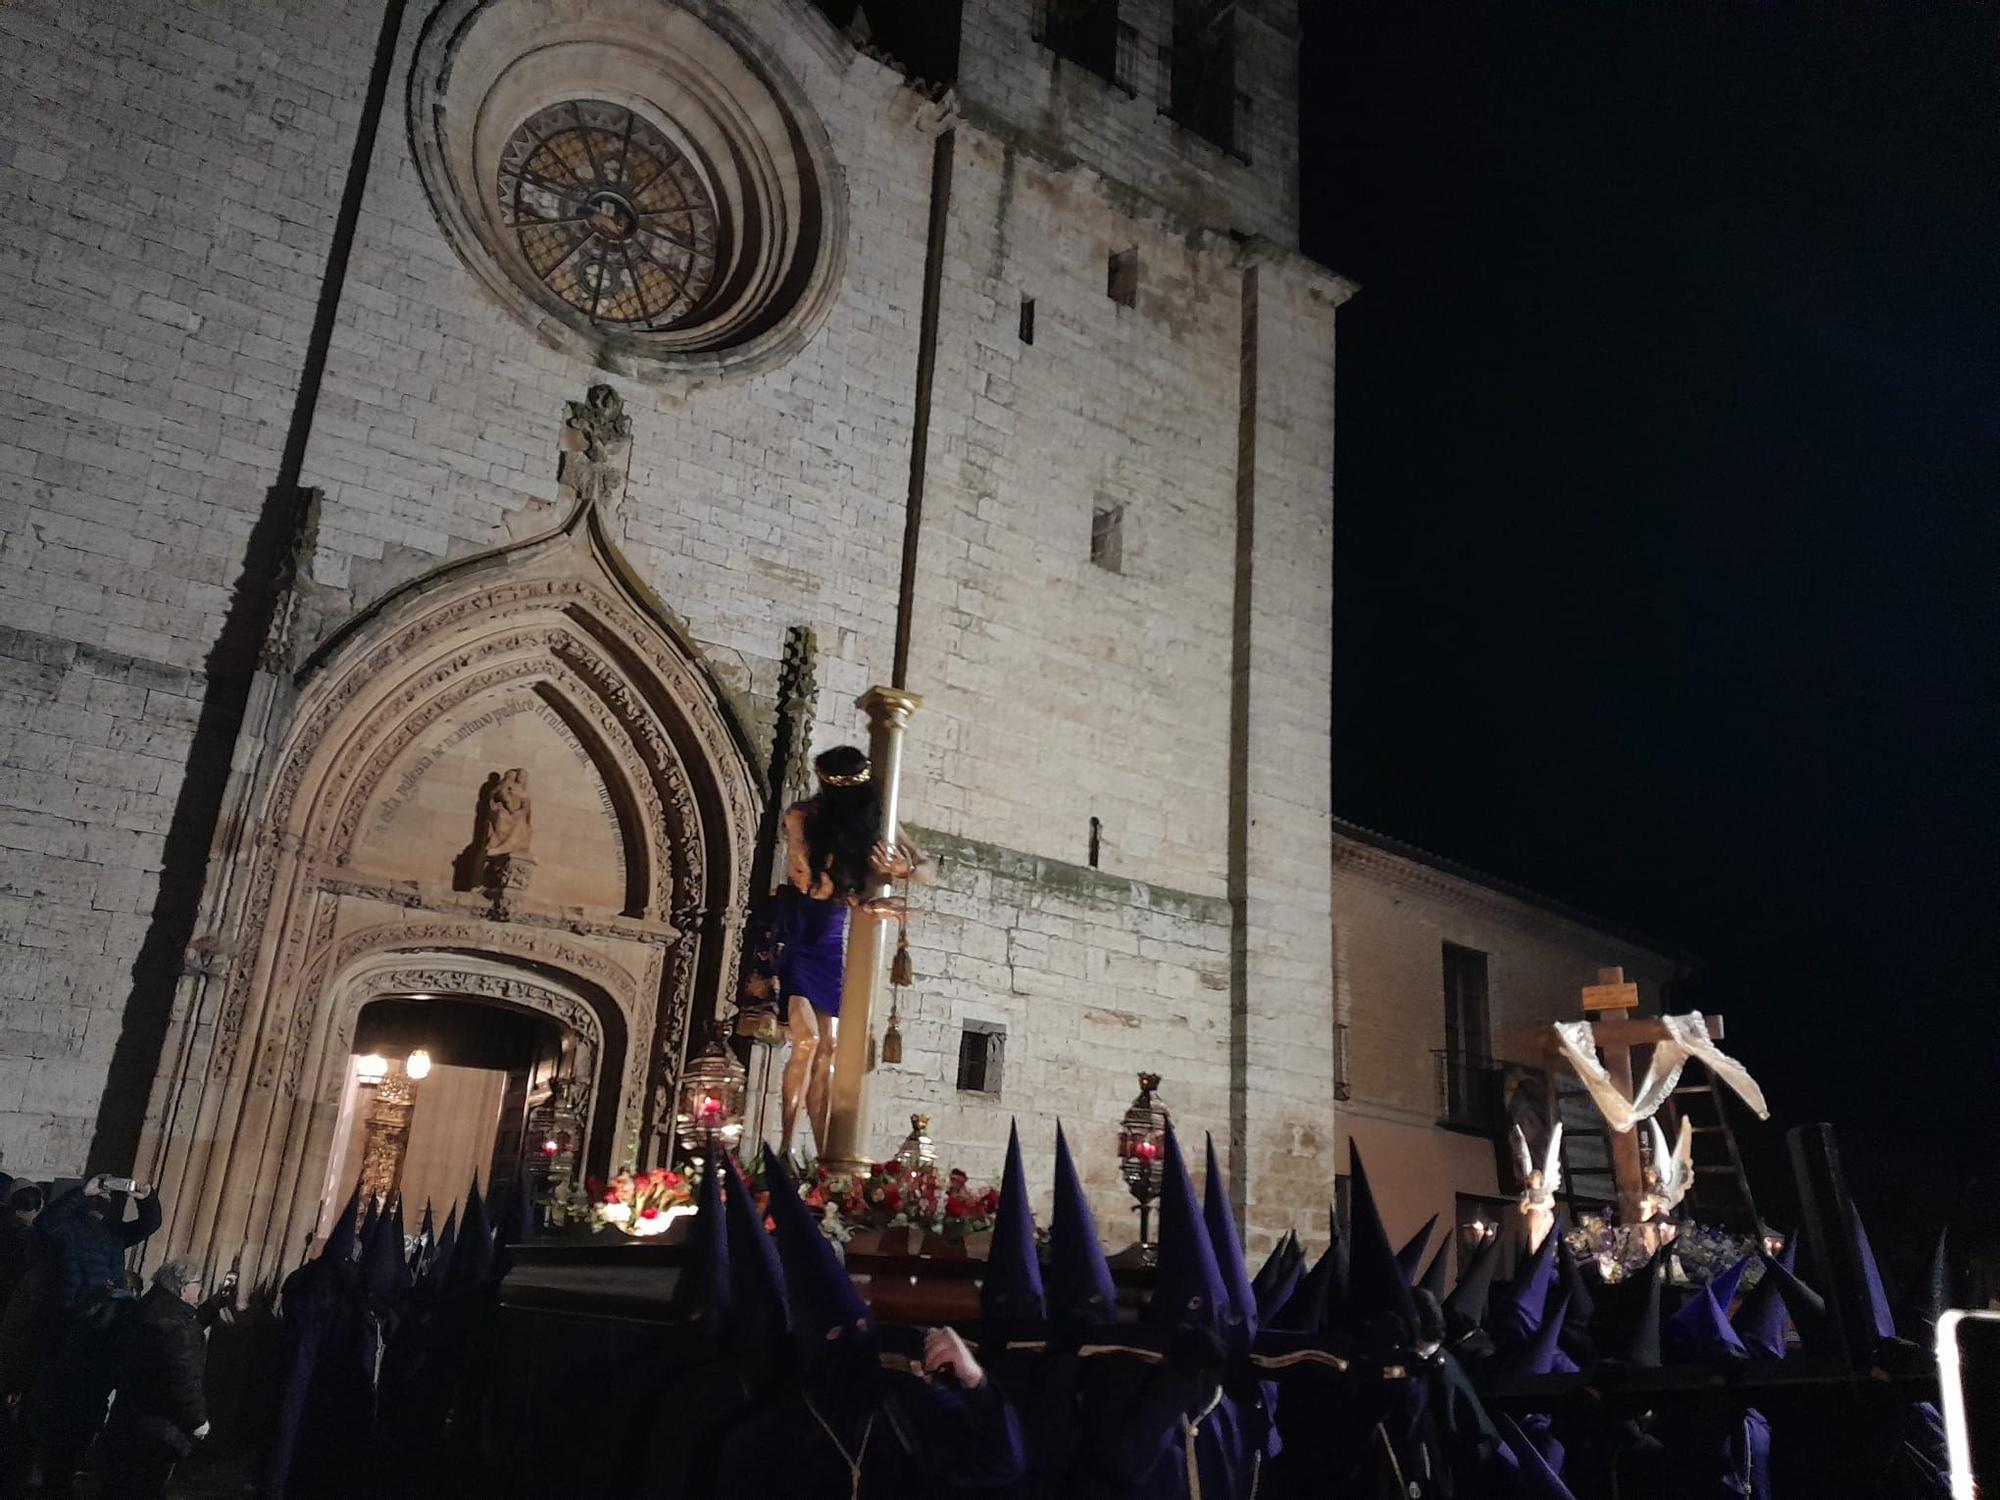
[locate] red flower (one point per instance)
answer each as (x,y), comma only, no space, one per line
(649,1213)
(957,1178)
(954,1209)
(770,1225)
(890,1169)
(990,1200)
(892,1197)
(594,1186)
(670,1179)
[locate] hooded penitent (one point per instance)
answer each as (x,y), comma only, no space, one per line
(1188,1289)
(1239,1323)
(1274,1296)
(1541,1353)
(1881,1322)
(1699,1333)
(1531,1289)
(1320,1299)
(756,1279)
(1079,1290)
(703,1293)
(1465,1309)
(1760,1319)
(472,1260)
(1011,1294)
(1377,1286)
(1411,1256)
(1435,1279)
(831,1325)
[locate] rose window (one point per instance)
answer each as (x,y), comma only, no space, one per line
(610,215)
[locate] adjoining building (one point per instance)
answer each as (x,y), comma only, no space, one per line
(1440,972)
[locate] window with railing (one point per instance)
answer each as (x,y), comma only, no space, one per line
(1089,34)
(1201,71)
(1471,1092)
(1342,1089)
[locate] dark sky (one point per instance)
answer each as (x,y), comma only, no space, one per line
(1667,472)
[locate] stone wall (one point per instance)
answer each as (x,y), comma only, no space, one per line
(1028,93)
(182,178)
(173,174)
(1095,978)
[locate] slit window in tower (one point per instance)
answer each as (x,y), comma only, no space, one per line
(1121,277)
(1027,320)
(1107,537)
(1096,840)
(980,1047)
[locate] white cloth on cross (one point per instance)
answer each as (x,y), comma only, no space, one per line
(1687,1037)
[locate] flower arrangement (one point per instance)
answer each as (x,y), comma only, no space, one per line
(640,1203)
(1699,1252)
(891,1195)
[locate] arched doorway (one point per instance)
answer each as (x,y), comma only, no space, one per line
(445,1090)
(512,783)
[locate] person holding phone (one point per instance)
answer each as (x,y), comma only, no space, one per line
(85,1235)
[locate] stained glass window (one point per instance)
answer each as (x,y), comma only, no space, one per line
(610,215)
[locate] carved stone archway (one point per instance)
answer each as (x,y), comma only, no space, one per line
(341,864)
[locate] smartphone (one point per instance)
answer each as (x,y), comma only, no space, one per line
(1968,1345)
(118,1184)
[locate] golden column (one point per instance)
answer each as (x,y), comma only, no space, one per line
(845,1148)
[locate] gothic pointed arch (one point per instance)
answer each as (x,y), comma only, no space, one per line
(516,768)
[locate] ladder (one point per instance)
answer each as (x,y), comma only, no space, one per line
(1720,1193)
(1586,1147)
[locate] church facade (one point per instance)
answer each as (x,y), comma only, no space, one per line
(451,448)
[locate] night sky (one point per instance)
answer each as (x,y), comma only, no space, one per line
(1668,463)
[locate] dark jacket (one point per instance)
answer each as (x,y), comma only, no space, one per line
(90,1251)
(18,1250)
(160,1394)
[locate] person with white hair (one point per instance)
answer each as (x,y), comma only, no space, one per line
(162,1410)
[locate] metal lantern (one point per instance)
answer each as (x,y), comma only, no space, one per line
(1142,1151)
(917,1152)
(710,1107)
(555,1138)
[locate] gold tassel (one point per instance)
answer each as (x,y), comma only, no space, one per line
(892,1039)
(902,972)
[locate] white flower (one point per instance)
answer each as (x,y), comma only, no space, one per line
(615,1213)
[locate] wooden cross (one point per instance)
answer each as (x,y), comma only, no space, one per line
(1609,1005)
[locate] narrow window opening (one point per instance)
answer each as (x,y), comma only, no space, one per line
(1107,537)
(1201,70)
(1121,277)
(1096,840)
(980,1046)
(1027,320)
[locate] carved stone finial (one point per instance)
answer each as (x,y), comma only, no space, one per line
(597,444)
(798,698)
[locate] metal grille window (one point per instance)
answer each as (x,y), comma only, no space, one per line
(1201,70)
(610,215)
(980,1046)
(1107,538)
